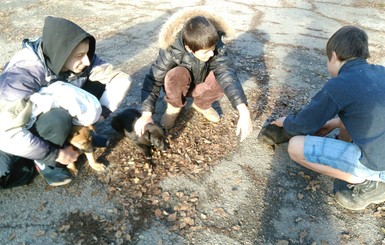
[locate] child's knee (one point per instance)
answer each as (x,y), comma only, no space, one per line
(178,76)
(54,126)
(295,147)
(59,119)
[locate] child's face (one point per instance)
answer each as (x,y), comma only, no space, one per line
(78,59)
(204,54)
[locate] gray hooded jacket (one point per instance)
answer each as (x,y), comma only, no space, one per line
(36,65)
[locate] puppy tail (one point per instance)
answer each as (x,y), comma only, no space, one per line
(116,125)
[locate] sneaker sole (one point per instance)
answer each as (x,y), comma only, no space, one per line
(360,207)
(64,182)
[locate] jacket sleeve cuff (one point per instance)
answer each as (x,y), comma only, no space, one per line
(105,112)
(50,158)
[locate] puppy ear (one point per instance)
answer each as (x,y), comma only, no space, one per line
(155,130)
(272,134)
(73,133)
(146,135)
(91,127)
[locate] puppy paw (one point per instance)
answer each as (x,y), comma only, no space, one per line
(98,167)
(73,171)
(151,162)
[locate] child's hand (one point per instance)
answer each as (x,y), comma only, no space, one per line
(244,126)
(279,122)
(142,122)
(101,119)
(67,155)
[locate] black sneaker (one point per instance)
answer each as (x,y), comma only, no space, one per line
(359,196)
(99,141)
(53,175)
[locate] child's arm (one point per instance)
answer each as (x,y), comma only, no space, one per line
(329,126)
(244,126)
(333,124)
(117,82)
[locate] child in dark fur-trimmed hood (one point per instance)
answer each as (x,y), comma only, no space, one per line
(193,62)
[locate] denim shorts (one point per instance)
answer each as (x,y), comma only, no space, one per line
(340,155)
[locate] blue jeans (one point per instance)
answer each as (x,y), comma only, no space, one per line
(340,155)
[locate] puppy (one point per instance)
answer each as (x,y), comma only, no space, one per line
(153,136)
(81,138)
(272,135)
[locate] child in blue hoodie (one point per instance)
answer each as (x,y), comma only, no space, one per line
(353,101)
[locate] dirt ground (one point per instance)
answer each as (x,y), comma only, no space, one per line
(207,188)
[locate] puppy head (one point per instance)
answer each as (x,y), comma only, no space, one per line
(272,134)
(81,137)
(156,137)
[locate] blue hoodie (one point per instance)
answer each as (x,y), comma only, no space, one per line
(357,96)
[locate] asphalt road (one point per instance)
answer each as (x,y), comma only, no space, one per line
(255,196)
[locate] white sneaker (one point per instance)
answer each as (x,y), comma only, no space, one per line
(210,114)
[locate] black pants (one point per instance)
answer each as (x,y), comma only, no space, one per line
(52,126)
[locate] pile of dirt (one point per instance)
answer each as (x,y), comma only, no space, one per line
(196,145)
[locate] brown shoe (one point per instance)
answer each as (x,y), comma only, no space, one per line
(170,115)
(210,114)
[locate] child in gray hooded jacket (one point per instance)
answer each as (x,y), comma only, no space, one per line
(66,53)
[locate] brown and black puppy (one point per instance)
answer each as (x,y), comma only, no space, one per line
(272,134)
(81,138)
(153,136)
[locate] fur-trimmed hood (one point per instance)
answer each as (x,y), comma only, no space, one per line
(175,23)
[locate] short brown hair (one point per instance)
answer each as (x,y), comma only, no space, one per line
(199,33)
(348,42)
